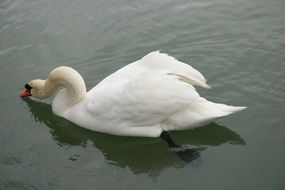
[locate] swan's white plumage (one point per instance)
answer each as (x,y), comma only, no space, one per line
(143,98)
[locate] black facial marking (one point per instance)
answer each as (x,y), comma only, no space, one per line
(28,87)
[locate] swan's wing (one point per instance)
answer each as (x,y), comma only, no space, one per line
(159,61)
(144,100)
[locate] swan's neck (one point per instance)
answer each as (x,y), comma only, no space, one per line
(69,89)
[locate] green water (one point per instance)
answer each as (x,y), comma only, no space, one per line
(237,44)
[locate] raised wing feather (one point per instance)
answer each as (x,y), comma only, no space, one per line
(157,60)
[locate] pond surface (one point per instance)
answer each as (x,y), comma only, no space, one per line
(237,44)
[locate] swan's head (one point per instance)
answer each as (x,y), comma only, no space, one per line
(35,88)
(59,78)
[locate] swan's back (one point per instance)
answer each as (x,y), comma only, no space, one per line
(156,61)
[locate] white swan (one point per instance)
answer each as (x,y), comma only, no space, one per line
(145,98)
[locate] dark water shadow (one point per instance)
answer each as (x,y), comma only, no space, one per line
(141,155)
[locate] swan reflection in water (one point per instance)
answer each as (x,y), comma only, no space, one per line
(141,155)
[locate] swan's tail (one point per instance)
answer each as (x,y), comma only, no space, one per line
(221,110)
(199,115)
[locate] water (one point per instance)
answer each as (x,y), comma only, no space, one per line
(237,44)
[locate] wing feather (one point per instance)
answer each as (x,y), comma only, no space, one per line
(157,60)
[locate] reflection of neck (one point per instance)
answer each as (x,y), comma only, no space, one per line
(70,89)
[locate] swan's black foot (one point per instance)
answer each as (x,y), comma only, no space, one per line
(186,154)
(166,136)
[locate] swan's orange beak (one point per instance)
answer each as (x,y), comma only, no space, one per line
(25,93)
